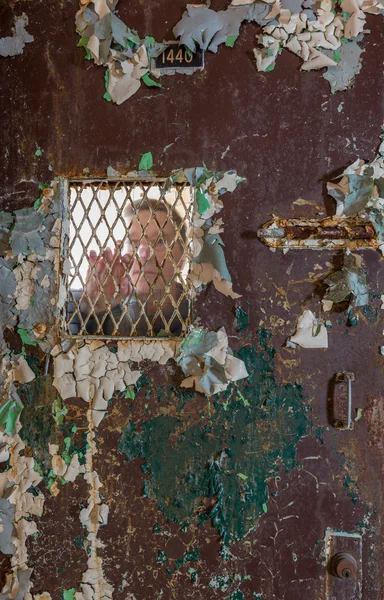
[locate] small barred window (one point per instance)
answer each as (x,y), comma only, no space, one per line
(129,257)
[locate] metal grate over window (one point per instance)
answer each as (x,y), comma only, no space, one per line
(129,256)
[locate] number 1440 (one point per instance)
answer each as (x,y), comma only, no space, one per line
(182,55)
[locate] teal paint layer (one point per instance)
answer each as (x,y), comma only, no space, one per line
(253,429)
(241,319)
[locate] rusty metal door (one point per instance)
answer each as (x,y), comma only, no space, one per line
(246,494)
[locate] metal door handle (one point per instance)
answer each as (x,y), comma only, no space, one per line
(344,379)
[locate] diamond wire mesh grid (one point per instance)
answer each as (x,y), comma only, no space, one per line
(130,259)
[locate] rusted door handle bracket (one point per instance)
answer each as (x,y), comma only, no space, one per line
(342,401)
(331,233)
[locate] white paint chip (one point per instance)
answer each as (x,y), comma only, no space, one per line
(310,333)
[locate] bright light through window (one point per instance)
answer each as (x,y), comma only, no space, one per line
(130,256)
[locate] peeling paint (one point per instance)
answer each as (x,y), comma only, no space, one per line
(185,466)
(12,46)
(87,370)
(286,522)
(208,363)
(342,75)
(322,35)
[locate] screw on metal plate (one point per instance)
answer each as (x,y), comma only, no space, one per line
(342,401)
(343,565)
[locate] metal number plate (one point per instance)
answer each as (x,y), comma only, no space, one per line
(178,56)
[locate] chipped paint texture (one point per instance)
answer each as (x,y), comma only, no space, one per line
(27,299)
(310,333)
(19,505)
(254,428)
(109,42)
(360,192)
(152,527)
(208,363)
(251,431)
(357,225)
(93,372)
(323,34)
(342,75)
(349,282)
(32,295)
(94,584)
(14,45)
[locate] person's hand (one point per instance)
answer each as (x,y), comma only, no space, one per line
(107,282)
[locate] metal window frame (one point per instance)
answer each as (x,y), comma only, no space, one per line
(65,215)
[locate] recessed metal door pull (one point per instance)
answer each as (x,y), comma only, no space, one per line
(343,565)
(343,400)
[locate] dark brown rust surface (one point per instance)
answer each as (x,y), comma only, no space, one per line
(283,131)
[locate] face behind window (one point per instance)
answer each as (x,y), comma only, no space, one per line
(138,286)
(157,252)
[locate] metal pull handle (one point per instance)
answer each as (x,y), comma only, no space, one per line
(343,400)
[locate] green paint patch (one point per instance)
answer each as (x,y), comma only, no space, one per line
(162,332)
(150,82)
(242,476)
(238,595)
(371,313)
(146,162)
(230,41)
(44,422)
(83,43)
(336,56)
(38,151)
(353,320)
(9,413)
(162,557)
(253,430)
(59,410)
(69,594)
(202,201)
(190,556)
(24,336)
(66,453)
(79,541)
(359,414)
(353,490)
(130,393)
(241,319)
(106,79)
(270,67)
(144,383)
(242,398)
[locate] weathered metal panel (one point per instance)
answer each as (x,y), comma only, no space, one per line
(287,135)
